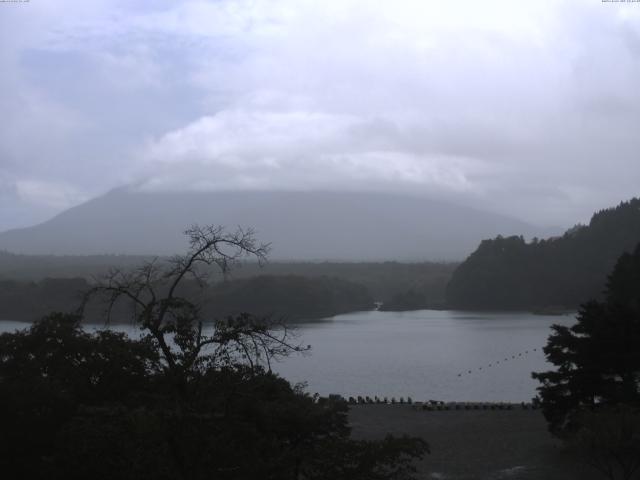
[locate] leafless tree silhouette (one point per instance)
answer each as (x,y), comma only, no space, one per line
(173,319)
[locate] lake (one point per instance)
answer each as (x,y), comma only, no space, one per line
(425,354)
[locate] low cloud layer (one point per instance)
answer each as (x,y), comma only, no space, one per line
(529,109)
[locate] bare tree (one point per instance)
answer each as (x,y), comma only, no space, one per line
(156,291)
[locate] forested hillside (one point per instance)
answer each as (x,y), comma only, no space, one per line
(388,282)
(286,297)
(560,272)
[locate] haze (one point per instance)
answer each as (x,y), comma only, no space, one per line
(315,239)
(528,109)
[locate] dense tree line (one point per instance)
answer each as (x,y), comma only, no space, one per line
(383,280)
(292,297)
(510,273)
(38,267)
(288,297)
(28,301)
(413,299)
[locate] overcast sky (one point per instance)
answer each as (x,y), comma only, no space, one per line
(528,108)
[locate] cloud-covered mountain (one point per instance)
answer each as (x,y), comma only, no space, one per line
(478,101)
(300,225)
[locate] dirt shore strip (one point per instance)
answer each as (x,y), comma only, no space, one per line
(475,444)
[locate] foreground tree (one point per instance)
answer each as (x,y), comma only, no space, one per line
(193,398)
(163,299)
(52,372)
(597,359)
(593,398)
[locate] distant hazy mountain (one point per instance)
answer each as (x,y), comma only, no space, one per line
(300,225)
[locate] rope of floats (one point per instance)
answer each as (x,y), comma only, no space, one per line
(434,405)
(515,356)
(437,405)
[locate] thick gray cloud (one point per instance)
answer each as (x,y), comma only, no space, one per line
(530,109)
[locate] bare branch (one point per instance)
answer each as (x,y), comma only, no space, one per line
(155,291)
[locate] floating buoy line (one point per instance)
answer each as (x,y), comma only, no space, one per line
(509,358)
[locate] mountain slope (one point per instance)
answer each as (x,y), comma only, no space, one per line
(300,225)
(508,272)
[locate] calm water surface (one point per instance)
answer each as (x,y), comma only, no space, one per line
(426,354)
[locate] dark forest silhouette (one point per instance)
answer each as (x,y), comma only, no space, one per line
(290,297)
(592,398)
(556,273)
(188,400)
